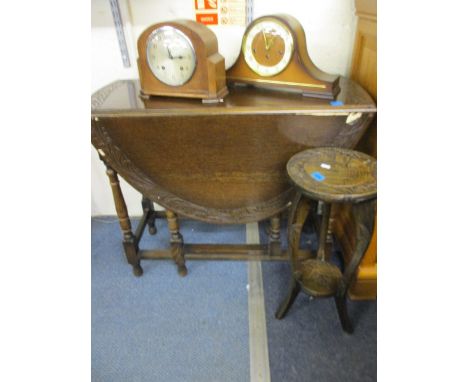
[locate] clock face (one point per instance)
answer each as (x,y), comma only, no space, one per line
(268,47)
(170,56)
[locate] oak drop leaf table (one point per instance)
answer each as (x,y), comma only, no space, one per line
(220,163)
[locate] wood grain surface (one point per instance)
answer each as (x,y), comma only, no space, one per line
(334,174)
(223,163)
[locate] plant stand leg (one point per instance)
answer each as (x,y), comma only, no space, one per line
(322,244)
(342,309)
(294,289)
(364,215)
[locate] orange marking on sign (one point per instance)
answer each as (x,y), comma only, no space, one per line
(211,4)
(207,18)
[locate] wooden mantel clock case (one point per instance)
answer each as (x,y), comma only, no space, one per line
(180,59)
(219,163)
(274,55)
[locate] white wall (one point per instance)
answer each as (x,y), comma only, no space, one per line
(329,27)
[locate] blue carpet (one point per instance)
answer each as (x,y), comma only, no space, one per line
(162,327)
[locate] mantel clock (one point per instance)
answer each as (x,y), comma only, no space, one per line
(180,59)
(274,54)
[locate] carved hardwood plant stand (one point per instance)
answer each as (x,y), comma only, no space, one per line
(329,175)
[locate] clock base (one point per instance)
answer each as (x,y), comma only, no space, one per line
(305,90)
(219,97)
(322,95)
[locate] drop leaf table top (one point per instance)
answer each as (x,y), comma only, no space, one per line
(226,162)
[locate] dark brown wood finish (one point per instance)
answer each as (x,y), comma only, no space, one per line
(229,252)
(208,82)
(130,243)
(275,229)
(323,233)
(148,207)
(222,163)
(177,243)
(349,177)
(300,74)
(345,175)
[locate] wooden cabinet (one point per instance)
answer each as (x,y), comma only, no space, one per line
(364,71)
(364,67)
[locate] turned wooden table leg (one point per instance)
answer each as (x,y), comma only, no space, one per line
(177,243)
(147,205)
(275,241)
(129,243)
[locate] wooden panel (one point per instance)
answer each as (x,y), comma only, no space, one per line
(366,9)
(365,58)
(364,68)
(364,71)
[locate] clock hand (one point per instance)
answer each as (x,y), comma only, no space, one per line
(169,52)
(270,42)
(265,39)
